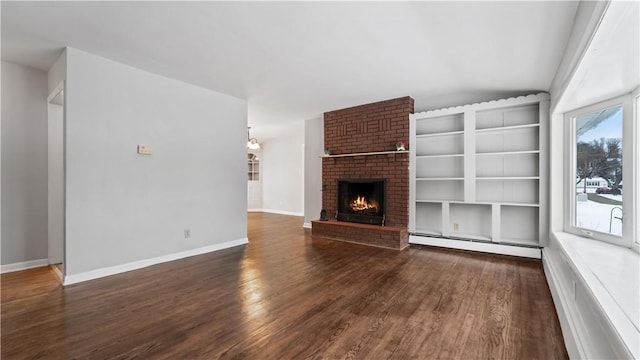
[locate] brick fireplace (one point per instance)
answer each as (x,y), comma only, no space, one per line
(351,135)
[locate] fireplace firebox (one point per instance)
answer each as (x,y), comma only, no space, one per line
(361,201)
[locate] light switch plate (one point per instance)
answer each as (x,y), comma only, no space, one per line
(145,150)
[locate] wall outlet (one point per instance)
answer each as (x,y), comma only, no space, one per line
(187,233)
(145,150)
(456,227)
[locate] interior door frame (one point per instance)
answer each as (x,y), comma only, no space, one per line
(57,90)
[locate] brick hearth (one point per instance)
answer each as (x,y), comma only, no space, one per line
(374,235)
(367,128)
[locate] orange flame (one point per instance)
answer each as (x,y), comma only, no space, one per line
(360,203)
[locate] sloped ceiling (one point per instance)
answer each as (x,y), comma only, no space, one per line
(296,60)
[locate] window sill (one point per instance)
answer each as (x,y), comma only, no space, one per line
(611,274)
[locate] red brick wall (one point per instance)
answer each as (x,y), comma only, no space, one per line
(369,128)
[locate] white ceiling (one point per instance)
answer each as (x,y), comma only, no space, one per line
(296,60)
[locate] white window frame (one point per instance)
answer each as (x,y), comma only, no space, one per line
(635,206)
(630,198)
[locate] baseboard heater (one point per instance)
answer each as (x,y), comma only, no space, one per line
(528,251)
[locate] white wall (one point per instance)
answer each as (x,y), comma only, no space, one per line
(313,149)
(24,164)
(58,71)
(122,207)
(283,174)
(585,23)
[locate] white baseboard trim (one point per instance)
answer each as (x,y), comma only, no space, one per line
(135,265)
(477,246)
(23,265)
(307,225)
(254,210)
(283,212)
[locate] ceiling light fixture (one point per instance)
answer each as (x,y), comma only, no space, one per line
(252,143)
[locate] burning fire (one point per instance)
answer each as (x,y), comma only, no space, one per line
(360,203)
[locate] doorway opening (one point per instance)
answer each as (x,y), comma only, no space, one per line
(56,179)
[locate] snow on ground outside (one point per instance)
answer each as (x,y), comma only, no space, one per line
(595,216)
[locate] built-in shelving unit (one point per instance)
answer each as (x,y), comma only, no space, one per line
(477,173)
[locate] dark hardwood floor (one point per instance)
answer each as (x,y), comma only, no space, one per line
(287,295)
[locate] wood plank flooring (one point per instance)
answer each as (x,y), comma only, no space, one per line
(287,295)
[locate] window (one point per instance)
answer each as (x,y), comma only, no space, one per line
(601,157)
(636,179)
(254,167)
(598,156)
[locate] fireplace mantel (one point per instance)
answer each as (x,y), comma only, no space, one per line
(367,154)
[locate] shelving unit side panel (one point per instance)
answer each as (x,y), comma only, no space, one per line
(543,189)
(412,174)
(495,223)
(446,214)
(469,156)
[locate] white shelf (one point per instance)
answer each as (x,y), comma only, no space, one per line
(449,133)
(501,203)
(512,241)
(506,128)
(508,153)
(428,232)
(418,157)
(519,204)
(509,178)
(470,236)
(442,178)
